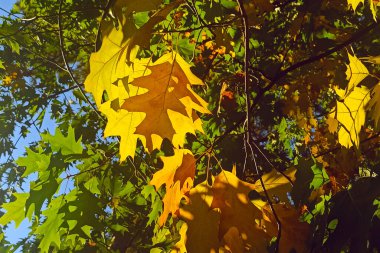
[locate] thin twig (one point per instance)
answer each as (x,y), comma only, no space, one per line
(244,20)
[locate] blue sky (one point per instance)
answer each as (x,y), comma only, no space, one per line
(6,4)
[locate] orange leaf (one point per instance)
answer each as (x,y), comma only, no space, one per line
(200,217)
(168,103)
(231,197)
(177,175)
(295,235)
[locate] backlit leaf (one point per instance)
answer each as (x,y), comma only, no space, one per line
(50,228)
(355,72)
(108,65)
(33,162)
(15,211)
(350,113)
(66,144)
(169,102)
(177,175)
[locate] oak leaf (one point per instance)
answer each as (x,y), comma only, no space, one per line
(177,175)
(121,122)
(108,65)
(116,58)
(169,102)
(230,196)
(230,222)
(200,217)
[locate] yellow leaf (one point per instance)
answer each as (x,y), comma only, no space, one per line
(177,175)
(354,4)
(108,65)
(168,105)
(355,73)
(121,122)
(180,246)
(7,80)
(351,115)
(374,105)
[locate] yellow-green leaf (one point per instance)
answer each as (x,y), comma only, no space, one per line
(15,211)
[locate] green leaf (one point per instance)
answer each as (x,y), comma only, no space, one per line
(149,192)
(93,185)
(186,48)
(121,190)
(40,191)
(34,162)
(14,46)
(310,175)
(50,228)
(66,144)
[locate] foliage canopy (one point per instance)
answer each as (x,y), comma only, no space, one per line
(191,126)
